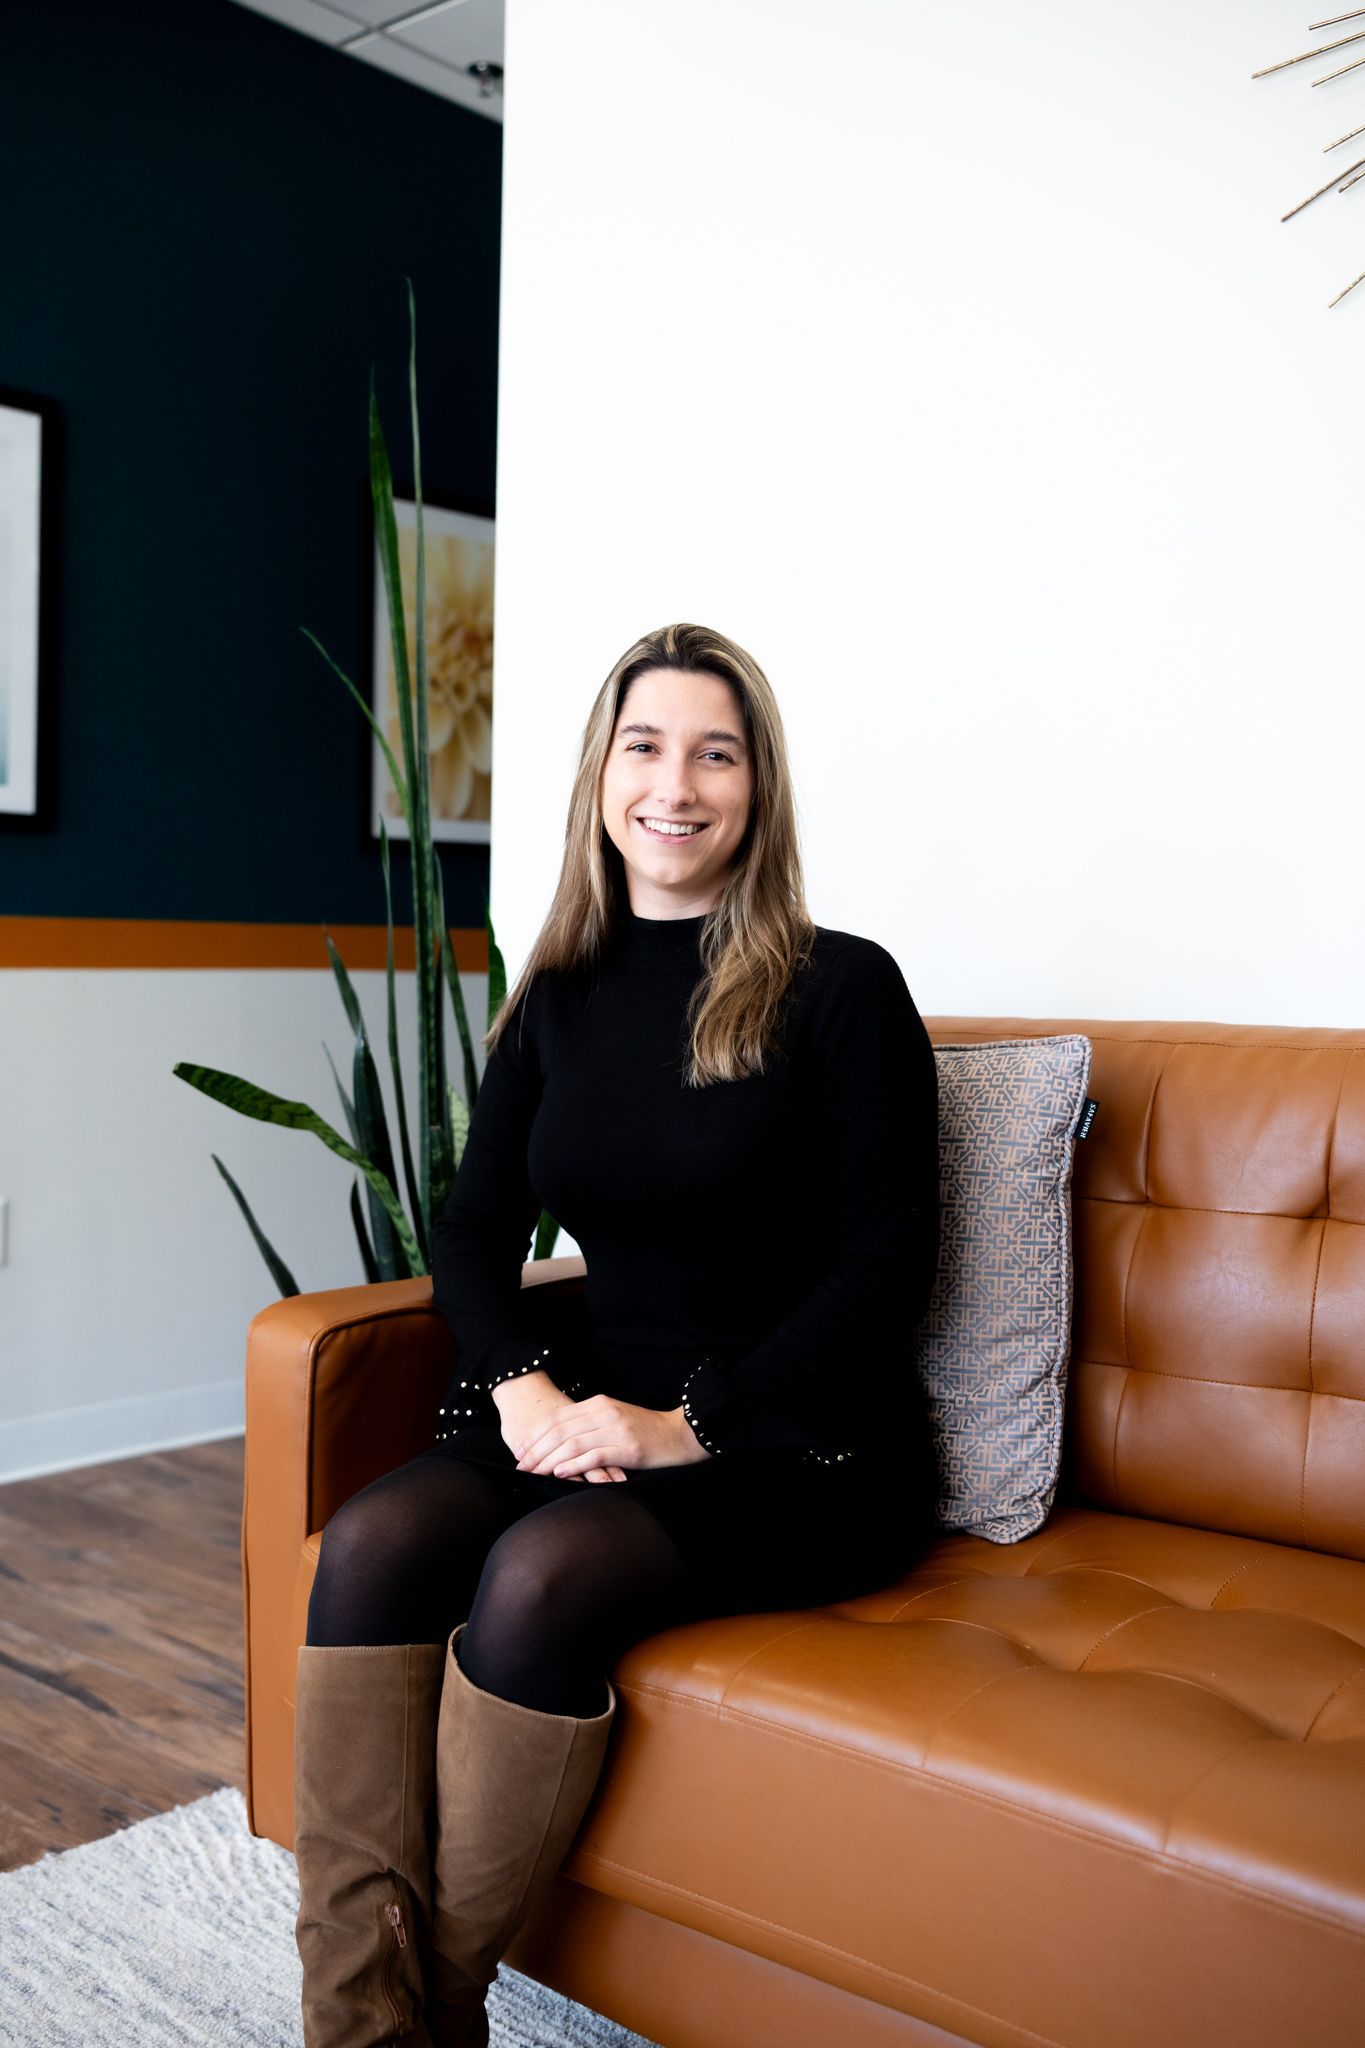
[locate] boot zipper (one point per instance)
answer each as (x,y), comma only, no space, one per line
(394,1915)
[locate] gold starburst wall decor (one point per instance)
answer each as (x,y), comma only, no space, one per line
(1353,173)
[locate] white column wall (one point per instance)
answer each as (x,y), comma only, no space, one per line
(955,361)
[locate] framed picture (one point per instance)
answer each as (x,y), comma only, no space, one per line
(459,633)
(26,425)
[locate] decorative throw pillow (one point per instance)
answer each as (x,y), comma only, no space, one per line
(995,1339)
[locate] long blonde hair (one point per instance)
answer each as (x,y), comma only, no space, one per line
(758,933)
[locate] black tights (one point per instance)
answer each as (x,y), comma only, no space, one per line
(553,1593)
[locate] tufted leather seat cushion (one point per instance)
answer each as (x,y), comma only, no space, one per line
(1070,1790)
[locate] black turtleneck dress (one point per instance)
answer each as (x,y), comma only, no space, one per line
(759,1252)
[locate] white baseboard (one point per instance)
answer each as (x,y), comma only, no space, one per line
(65,1438)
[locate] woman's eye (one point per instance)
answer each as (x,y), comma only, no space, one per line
(710,750)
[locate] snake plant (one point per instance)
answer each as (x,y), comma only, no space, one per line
(394,1246)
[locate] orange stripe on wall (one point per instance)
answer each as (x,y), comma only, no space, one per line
(187,942)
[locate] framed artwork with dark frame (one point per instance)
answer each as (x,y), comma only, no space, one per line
(27,475)
(459,626)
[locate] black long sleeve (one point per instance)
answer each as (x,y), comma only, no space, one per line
(875,1099)
(758,1251)
(482,1236)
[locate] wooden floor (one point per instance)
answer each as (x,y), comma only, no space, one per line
(120,1644)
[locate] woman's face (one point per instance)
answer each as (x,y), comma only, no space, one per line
(677,757)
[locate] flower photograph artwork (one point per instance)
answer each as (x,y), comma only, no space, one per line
(459,640)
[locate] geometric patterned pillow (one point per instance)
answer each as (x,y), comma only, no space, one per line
(994,1342)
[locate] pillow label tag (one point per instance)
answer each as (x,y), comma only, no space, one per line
(1082,1129)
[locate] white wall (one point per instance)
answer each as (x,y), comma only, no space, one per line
(131,1276)
(955,361)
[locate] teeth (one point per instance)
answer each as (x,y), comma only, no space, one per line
(675,831)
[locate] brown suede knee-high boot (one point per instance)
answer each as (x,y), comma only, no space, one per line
(511,1788)
(364,1783)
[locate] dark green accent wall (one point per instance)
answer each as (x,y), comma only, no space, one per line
(208,221)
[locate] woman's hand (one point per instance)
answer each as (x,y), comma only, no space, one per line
(527,1404)
(605,1434)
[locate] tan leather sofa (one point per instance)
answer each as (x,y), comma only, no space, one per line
(1104,1788)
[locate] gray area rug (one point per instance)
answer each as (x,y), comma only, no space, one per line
(179,1932)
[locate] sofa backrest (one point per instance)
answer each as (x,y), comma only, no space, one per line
(1217,1368)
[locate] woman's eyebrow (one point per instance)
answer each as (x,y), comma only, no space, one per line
(656,732)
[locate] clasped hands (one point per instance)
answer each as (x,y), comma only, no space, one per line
(600,1439)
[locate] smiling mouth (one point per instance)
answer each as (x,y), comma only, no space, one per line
(672,838)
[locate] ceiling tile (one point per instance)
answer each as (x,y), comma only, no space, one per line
(387,54)
(457,35)
(324,24)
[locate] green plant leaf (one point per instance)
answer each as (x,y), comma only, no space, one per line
(374,1144)
(389,1267)
(279,1272)
(452,974)
(386,540)
(350,1002)
(367,1257)
(418,773)
(441,945)
(249,1100)
(459,1126)
(398,782)
(422,784)
(442,1164)
(443,1119)
(395,1062)
(436,1177)
(547,1235)
(497,970)
(371,1134)
(346,1103)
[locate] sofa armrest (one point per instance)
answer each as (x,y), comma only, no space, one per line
(342,1385)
